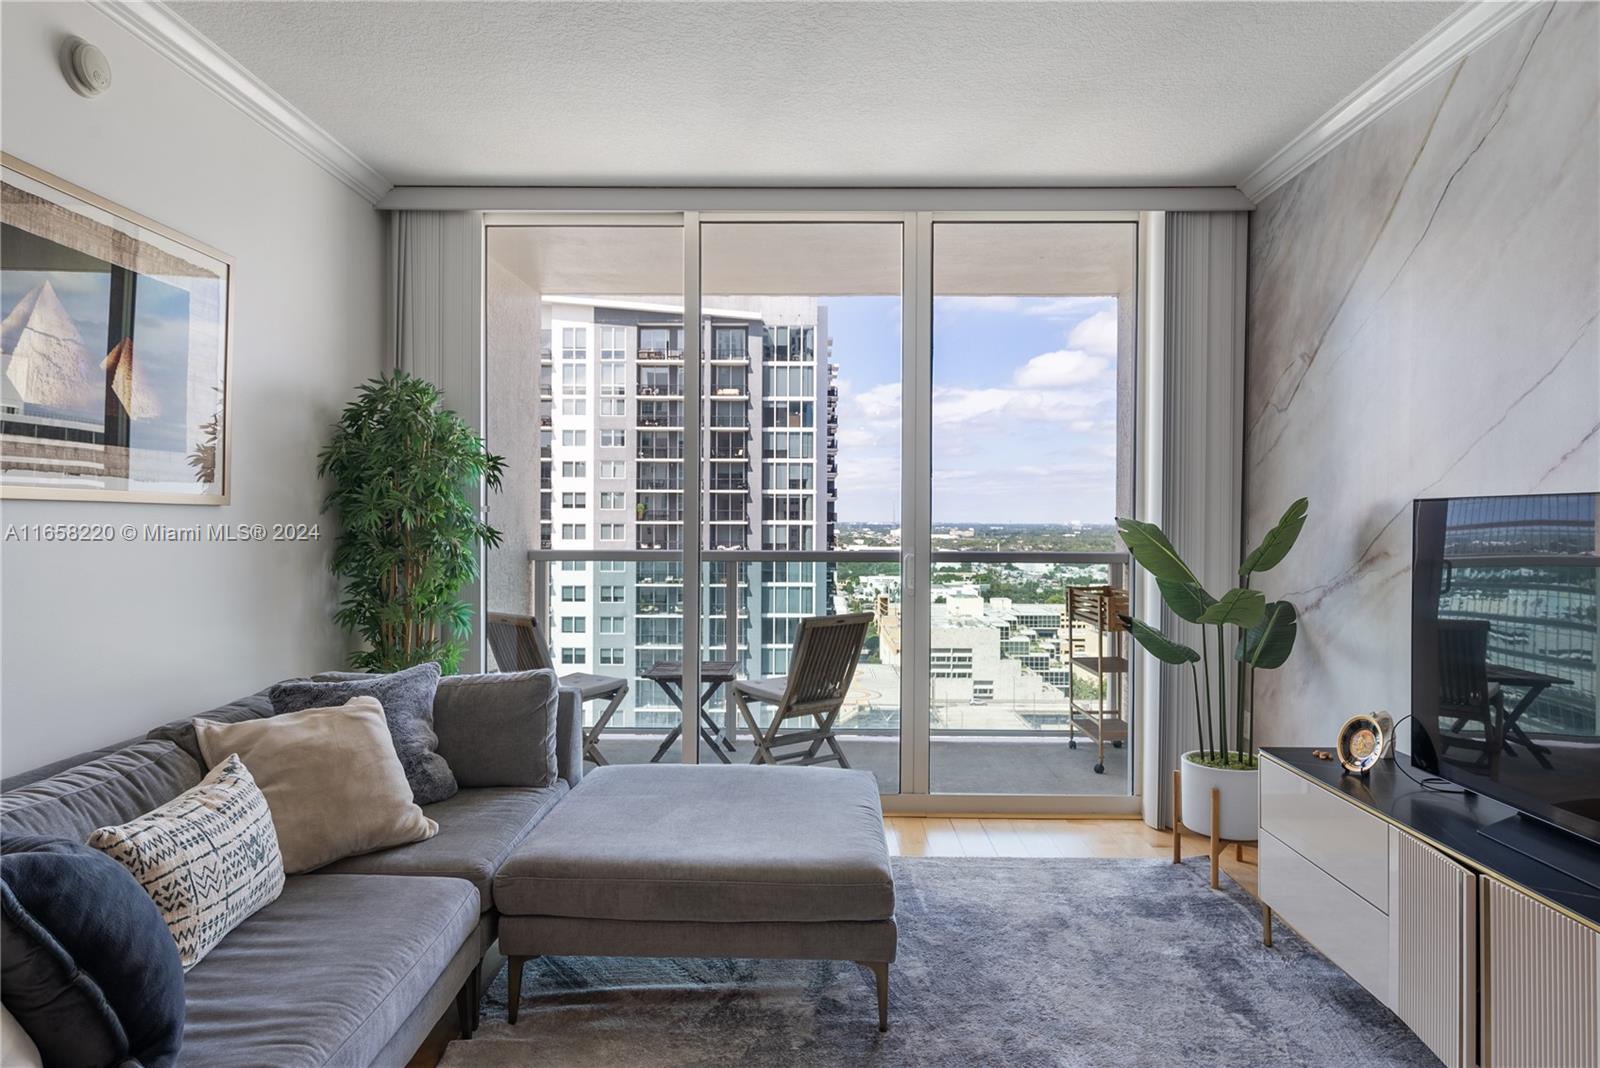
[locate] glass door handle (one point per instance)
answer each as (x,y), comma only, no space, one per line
(908,580)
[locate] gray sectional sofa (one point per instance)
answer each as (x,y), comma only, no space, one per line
(354,963)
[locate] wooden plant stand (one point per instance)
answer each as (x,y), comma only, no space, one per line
(1218,844)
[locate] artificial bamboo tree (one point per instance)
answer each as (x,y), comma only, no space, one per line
(404,471)
(1265,633)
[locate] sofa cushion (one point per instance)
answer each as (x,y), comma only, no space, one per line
(180,732)
(331,778)
(86,961)
(208,858)
(407,699)
(478,829)
(55,767)
(498,729)
(111,789)
(709,844)
(326,973)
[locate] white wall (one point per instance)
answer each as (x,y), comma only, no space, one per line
(1423,308)
(101,642)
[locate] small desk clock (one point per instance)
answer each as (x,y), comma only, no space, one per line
(1364,740)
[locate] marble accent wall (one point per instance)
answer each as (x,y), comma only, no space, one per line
(1423,306)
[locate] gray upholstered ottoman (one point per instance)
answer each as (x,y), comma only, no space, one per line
(674,861)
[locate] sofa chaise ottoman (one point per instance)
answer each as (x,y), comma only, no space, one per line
(685,861)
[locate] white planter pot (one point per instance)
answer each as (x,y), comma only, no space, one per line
(1240,800)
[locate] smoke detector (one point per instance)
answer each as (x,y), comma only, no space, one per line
(86,68)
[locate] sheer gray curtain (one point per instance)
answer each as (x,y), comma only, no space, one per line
(1201,462)
(435,303)
(434,329)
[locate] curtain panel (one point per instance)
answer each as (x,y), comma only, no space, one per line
(1202,451)
(434,323)
(433,329)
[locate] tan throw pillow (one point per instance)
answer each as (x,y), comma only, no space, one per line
(208,858)
(331,777)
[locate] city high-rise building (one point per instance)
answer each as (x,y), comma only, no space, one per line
(612,404)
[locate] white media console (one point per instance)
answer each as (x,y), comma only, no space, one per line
(1489,955)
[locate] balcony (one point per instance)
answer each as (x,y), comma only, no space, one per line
(970,763)
(1000,719)
(671,450)
(661,355)
(660,536)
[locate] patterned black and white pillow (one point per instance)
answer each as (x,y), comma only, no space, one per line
(208,858)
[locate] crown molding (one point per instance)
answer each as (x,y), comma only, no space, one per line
(1446,44)
(165,31)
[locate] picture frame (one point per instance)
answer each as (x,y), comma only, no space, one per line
(116,341)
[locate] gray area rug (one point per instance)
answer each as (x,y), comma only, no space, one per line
(1002,962)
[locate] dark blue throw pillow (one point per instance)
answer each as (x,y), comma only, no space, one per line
(87,965)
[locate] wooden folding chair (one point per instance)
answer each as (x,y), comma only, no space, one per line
(820,669)
(1465,693)
(517,645)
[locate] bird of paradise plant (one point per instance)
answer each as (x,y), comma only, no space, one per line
(1265,632)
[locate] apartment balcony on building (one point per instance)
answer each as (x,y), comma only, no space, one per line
(659,513)
(729,383)
(663,382)
(660,414)
(661,355)
(659,477)
(660,536)
(664,601)
(659,445)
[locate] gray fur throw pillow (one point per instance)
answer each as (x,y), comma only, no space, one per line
(407,699)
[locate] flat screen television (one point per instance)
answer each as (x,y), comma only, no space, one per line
(1504,645)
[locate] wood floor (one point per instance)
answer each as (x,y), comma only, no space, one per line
(928,836)
(938,836)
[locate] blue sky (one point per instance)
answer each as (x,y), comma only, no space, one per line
(1024,408)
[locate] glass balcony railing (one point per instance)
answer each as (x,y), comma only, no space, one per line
(1024,698)
(622,616)
(1018,693)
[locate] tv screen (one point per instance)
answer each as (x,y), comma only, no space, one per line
(1504,646)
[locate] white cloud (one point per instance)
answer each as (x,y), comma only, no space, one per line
(1096,335)
(1061,307)
(879,402)
(1003,408)
(1060,369)
(858,437)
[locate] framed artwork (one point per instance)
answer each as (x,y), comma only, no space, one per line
(115,334)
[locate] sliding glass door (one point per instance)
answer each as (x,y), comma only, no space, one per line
(1032,369)
(801,393)
(720,426)
(585,396)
